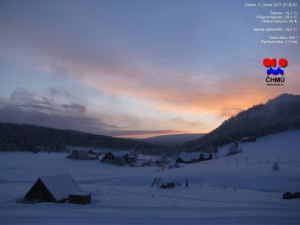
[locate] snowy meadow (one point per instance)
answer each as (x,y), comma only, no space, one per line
(239,189)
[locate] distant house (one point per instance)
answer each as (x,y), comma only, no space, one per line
(118,155)
(82,154)
(108,156)
(190,157)
(158,183)
(55,188)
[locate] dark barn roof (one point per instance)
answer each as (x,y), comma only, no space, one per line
(53,188)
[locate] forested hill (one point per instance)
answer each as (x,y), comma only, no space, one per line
(36,138)
(277,115)
(172,140)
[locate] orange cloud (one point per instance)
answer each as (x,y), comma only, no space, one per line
(231,97)
(189,93)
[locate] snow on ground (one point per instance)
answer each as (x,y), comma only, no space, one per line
(240,189)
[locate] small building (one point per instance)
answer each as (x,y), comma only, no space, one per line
(80,198)
(190,157)
(52,189)
(185,157)
(108,156)
(158,183)
(82,154)
(126,155)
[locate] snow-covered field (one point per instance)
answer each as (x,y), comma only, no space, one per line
(240,189)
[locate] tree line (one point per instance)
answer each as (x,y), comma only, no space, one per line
(25,137)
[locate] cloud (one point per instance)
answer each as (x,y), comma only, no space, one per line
(227,97)
(74,107)
(185,123)
(60,93)
(21,93)
(41,108)
(14,113)
(10,113)
(44,101)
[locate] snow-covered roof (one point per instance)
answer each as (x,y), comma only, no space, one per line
(206,155)
(122,153)
(189,156)
(60,186)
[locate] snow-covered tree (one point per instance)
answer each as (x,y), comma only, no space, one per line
(234,149)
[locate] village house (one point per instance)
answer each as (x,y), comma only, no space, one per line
(190,157)
(55,188)
(83,154)
(185,157)
(121,155)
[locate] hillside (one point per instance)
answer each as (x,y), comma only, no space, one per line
(277,115)
(36,138)
(239,189)
(172,139)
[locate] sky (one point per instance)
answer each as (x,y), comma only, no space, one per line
(135,68)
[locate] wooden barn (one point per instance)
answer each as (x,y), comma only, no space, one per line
(52,189)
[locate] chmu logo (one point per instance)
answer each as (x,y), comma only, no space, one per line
(270,63)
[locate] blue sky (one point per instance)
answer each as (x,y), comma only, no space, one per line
(134,68)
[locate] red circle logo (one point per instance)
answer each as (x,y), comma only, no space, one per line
(282,62)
